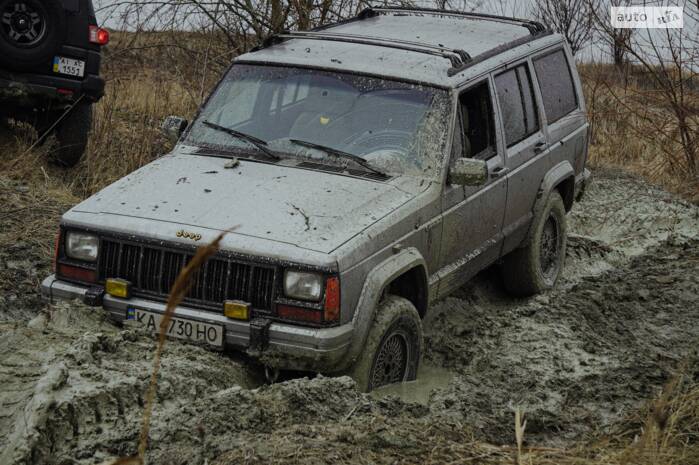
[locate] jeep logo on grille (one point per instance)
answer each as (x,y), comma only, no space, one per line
(188,235)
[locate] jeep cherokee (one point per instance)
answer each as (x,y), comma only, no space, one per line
(373,166)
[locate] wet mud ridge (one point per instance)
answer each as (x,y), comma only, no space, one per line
(577,360)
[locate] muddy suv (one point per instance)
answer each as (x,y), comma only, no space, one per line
(371,167)
(49,69)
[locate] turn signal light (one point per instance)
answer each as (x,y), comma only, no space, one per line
(118,288)
(77,273)
(332,299)
(56,245)
(99,36)
(236,309)
(289,312)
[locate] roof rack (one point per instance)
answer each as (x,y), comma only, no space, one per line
(534,27)
(457,57)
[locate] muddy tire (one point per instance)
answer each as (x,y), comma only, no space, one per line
(72,134)
(393,347)
(537,265)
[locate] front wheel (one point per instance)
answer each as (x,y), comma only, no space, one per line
(537,265)
(393,347)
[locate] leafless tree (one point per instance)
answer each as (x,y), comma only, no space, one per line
(616,40)
(571,18)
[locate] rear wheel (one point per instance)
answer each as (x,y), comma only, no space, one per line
(72,135)
(30,32)
(537,265)
(393,347)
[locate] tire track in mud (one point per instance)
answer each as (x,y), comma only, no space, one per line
(576,359)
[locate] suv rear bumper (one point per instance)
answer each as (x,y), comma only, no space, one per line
(289,346)
(24,90)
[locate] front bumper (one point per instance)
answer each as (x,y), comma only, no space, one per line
(289,346)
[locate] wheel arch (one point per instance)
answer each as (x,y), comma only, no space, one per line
(555,179)
(404,273)
(560,178)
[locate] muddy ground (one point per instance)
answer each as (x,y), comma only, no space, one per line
(577,360)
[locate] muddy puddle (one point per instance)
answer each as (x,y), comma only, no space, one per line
(430,378)
(576,360)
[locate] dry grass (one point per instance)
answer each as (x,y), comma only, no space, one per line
(633,128)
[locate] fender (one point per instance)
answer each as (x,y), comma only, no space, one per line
(553,177)
(374,285)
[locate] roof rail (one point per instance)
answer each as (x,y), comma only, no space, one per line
(534,27)
(457,57)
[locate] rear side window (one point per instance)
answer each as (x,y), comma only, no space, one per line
(517,105)
(556,85)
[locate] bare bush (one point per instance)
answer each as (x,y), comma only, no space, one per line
(571,18)
(659,94)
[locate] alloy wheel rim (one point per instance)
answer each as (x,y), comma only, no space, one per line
(22,23)
(391,362)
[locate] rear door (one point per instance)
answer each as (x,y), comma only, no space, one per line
(563,106)
(526,147)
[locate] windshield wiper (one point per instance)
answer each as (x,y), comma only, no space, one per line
(340,154)
(258,143)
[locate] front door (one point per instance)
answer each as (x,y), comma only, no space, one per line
(473,216)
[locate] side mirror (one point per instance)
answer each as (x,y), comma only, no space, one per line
(468,172)
(173,127)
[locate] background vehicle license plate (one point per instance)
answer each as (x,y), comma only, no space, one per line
(69,66)
(179,328)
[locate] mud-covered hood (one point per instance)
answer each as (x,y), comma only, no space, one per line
(310,209)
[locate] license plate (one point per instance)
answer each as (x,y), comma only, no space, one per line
(69,66)
(179,328)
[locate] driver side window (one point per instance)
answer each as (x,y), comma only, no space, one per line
(477,122)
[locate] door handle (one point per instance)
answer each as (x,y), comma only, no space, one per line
(539,147)
(498,172)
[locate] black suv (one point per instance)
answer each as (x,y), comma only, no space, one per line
(49,69)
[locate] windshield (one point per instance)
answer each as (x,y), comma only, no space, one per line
(394,126)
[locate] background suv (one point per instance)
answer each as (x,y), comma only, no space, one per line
(49,69)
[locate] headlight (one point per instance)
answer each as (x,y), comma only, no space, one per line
(303,286)
(81,246)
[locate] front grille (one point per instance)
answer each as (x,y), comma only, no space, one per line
(153,270)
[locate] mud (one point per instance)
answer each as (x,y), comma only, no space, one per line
(25,243)
(577,360)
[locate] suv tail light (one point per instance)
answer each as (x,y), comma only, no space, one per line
(98,35)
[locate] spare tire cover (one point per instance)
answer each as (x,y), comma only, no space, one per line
(30,32)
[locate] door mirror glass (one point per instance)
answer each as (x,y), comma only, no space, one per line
(468,172)
(173,127)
